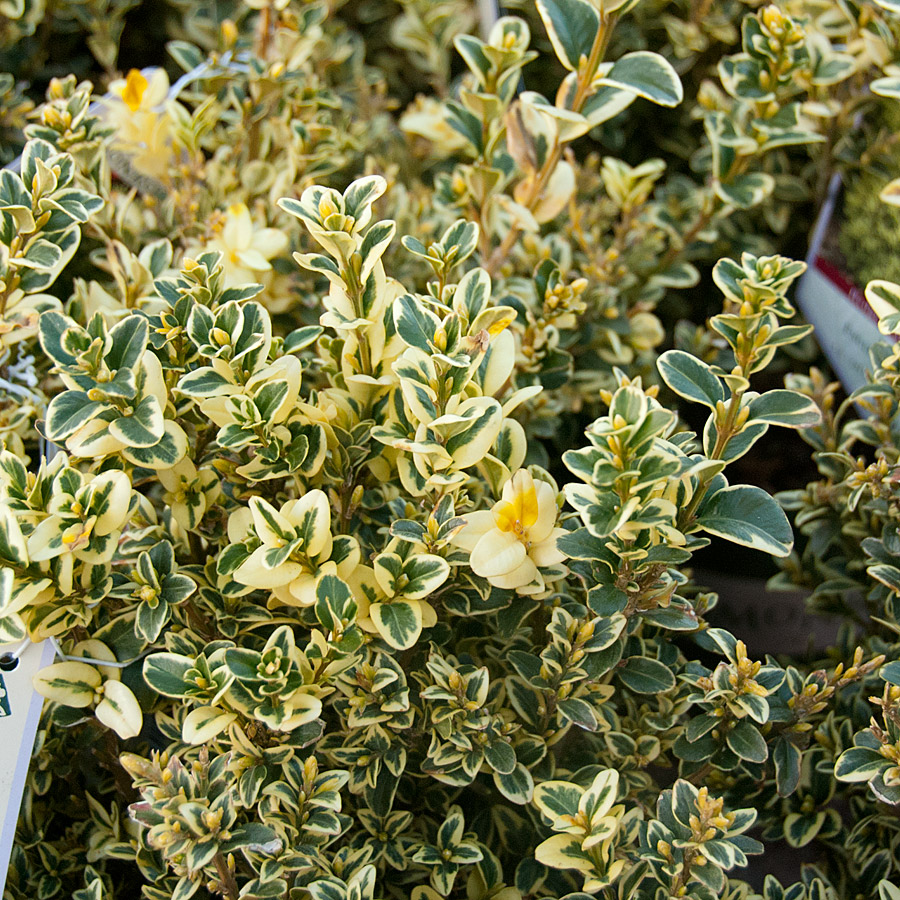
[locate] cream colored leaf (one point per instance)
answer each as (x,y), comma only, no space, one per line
(119,710)
(204,723)
(68,683)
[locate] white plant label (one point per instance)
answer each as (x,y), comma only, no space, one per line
(846,326)
(20,712)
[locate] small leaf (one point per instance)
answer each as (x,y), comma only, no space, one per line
(416,324)
(151,620)
(12,544)
(562,851)
(164,672)
(859,764)
(517,787)
(644,675)
(886,87)
(744,191)
(745,741)
(500,757)
(690,378)
(68,683)
(579,713)
(799,829)
(186,888)
(788,408)
(748,516)
(571,26)
(41,254)
(119,710)
(253,836)
(648,75)
(68,411)
(884,298)
(204,723)
(334,603)
(142,428)
(891,672)
(557,799)
(399,623)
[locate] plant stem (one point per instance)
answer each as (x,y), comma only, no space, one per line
(263,35)
(355,291)
(196,546)
(685,874)
(585,80)
(200,623)
(226,876)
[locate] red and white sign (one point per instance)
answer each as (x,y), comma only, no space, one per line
(846,326)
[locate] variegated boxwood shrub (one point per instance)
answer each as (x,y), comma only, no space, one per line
(295,369)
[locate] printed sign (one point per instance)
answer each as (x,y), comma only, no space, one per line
(846,326)
(20,714)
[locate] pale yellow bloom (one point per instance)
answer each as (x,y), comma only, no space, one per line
(246,248)
(511,542)
(143,127)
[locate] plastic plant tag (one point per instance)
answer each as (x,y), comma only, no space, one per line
(846,326)
(488,13)
(20,713)
(121,166)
